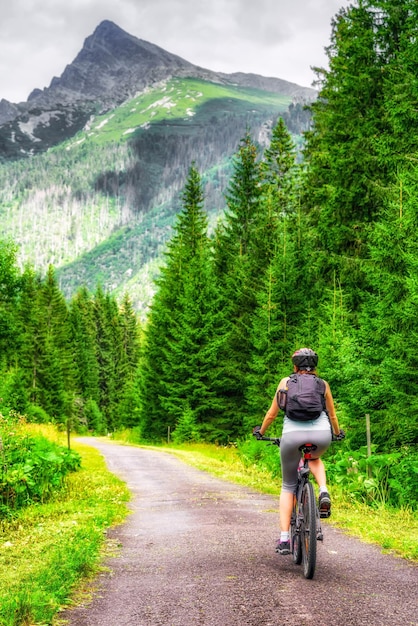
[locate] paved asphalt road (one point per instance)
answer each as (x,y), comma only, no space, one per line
(198,551)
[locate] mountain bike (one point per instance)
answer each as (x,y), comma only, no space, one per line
(305,524)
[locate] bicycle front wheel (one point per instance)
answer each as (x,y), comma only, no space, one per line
(308,534)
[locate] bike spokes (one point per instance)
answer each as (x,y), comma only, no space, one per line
(295,543)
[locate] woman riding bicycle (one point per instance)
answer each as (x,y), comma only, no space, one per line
(295,434)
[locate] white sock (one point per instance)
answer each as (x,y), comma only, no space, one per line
(284,536)
(323,488)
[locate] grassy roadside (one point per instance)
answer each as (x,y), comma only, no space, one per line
(395,531)
(51,553)
(48,548)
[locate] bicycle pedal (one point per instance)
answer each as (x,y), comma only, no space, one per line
(320,537)
(324,514)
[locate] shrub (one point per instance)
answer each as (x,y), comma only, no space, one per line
(32,467)
(265,456)
(379,478)
(37,414)
(128,435)
(186,429)
(94,418)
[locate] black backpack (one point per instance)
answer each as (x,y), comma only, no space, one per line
(305,397)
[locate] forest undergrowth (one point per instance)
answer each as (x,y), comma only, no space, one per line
(52,551)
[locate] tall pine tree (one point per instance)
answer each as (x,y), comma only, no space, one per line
(278,317)
(179,353)
(344,173)
(83,338)
(240,264)
(388,389)
(54,385)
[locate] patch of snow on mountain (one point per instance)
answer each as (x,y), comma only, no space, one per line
(104,122)
(165,102)
(44,118)
(88,124)
(76,143)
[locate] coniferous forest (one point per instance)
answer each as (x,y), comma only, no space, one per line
(317,249)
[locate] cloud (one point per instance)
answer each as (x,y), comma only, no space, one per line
(281,38)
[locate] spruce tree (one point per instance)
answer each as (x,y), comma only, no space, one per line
(240,264)
(9,292)
(118,353)
(152,420)
(29,349)
(361,132)
(83,337)
(279,168)
(127,370)
(106,335)
(243,199)
(195,377)
(161,371)
(277,314)
(397,34)
(344,173)
(54,389)
(388,389)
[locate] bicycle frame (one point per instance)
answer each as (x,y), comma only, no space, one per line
(305,525)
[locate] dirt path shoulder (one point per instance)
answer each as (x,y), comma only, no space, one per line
(199,551)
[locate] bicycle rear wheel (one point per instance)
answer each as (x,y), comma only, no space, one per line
(308,534)
(295,542)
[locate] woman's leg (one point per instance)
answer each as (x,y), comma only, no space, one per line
(290,457)
(286,506)
(286,498)
(318,470)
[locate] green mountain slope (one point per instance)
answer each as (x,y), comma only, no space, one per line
(100,206)
(177,101)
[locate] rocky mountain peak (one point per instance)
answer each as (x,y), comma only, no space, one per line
(113,65)
(111,68)
(116,45)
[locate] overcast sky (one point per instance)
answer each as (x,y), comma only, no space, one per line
(280,38)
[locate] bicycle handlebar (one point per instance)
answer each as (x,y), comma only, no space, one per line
(275,440)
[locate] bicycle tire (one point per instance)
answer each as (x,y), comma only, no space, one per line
(308,530)
(295,542)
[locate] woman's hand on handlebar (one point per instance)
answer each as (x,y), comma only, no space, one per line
(256,432)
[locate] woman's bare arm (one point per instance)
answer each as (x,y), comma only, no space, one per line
(274,408)
(329,403)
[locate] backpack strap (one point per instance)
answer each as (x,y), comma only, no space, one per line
(281,396)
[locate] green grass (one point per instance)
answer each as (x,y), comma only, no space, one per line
(47,549)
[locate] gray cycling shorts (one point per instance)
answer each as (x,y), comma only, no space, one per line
(290,454)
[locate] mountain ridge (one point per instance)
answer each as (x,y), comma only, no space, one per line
(112,67)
